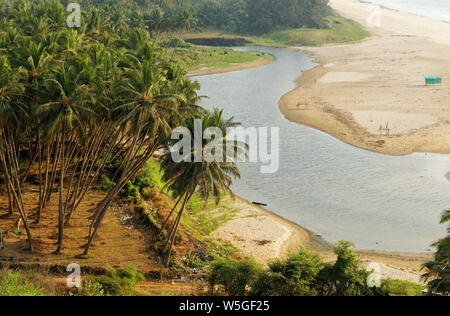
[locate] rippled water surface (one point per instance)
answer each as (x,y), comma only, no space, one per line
(336,190)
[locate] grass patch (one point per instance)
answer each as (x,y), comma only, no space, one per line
(149,177)
(120,282)
(402,288)
(339,30)
(18,284)
(195,58)
(206,217)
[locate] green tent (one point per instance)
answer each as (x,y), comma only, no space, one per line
(433,80)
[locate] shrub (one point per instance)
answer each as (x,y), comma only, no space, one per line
(150,177)
(89,288)
(292,277)
(233,276)
(194,261)
(14,284)
(175,43)
(130,190)
(107,184)
(119,282)
(401,288)
(345,277)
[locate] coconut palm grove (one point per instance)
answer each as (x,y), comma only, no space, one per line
(86,118)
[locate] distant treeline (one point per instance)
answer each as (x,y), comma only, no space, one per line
(261,16)
(235,16)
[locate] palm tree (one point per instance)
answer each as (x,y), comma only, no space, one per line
(34,59)
(145,112)
(438,273)
(11,111)
(155,22)
(64,120)
(212,178)
(186,21)
(77,100)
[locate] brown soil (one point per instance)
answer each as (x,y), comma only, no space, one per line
(119,242)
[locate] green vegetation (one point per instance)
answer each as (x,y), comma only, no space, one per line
(93,105)
(196,58)
(401,288)
(233,276)
(120,282)
(338,30)
(207,216)
(260,16)
(263,22)
(212,176)
(438,270)
(295,276)
(17,284)
(303,274)
(89,107)
(149,177)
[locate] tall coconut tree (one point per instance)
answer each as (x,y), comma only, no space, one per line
(211,177)
(63,119)
(11,127)
(145,113)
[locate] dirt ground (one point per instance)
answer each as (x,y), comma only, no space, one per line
(121,240)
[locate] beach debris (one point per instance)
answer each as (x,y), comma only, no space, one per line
(263,242)
(126,218)
(259,204)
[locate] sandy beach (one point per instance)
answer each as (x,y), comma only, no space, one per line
(266,237)
(379,82)
(356,89)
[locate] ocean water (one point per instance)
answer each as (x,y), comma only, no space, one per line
(334,189)
(434,9)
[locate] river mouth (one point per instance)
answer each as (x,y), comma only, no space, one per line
(376,201)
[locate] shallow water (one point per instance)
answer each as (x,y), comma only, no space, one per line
(334,189)
(434,9)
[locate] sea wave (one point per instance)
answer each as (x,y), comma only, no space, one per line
(434,9)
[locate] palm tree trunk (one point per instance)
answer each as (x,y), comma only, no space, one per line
(38,215)
(10,198)
(61,201)
(10,167)
(175,228)
(166,221)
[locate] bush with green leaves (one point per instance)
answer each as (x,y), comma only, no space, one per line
(175,43)
(16,284)
(301,274)
(89,288)
(149,177)
(107,184)
(121,282)
(295,276)
(400,288)
(234,277)
(345,277)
